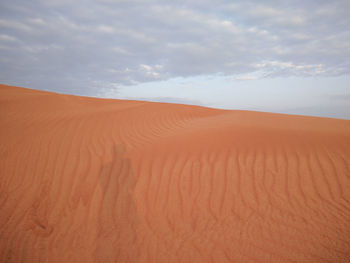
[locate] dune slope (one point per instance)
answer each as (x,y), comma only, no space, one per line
(96,180)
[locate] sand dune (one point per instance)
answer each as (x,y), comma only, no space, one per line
(96,180)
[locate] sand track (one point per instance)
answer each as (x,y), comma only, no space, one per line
(95,180)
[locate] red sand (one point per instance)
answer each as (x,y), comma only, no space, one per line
(96,180)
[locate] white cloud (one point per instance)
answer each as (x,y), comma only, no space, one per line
(120,50)
(4,23)
(264,11)
(152,72)
(7,38)
(247,77)
(37,21)
(105,29)
(43,41)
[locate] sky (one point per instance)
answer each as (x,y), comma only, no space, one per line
(277,56)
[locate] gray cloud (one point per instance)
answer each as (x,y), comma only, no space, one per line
(342,97)
(79,47)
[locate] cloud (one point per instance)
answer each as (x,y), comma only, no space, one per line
(70,46)
(14,25)
(344,97)
(6,38)
(247,77)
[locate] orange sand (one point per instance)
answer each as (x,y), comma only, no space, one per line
(96,180)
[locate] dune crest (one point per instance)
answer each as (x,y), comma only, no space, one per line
(99,180)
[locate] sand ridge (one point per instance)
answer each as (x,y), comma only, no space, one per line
(100,180)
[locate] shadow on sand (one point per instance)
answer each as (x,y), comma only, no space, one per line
(117,240)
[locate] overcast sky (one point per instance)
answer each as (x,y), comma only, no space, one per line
(281,56)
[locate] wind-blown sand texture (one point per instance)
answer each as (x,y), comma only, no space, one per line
(96,180)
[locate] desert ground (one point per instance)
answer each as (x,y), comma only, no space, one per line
(101,180)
